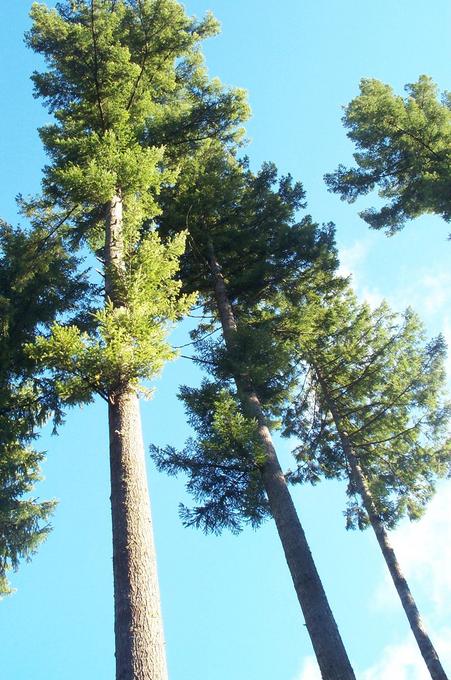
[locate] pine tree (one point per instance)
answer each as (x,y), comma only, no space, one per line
(403,149)
(37,284)
(123,78)
(245,242)
(371,411)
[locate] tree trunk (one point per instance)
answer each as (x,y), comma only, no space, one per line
(425,645)
(322,628)
(140,652)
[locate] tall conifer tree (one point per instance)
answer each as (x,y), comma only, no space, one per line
(371,410)
(244,242)
(37,284)
(123,77)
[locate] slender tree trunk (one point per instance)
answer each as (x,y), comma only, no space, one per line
(322,628)
(140,652)
(424,642)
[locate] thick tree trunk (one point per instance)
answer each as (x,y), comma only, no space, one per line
(322,628)
(425,645)
(140,652)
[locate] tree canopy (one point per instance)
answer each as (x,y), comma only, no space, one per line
(107,139)
(371,376)
(403,149)
(38,284)
(263,246)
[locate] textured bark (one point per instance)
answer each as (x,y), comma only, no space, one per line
(140,652)
(424,642)
(114,251)
(321,626)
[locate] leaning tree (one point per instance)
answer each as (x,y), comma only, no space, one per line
(244,243)
(371,410)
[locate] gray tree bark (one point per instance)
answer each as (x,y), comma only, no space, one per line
(424,642)
(321,626)
(139,638)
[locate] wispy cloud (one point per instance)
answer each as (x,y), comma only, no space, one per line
(352,263)
(309,670)
(436,291)
(403,661)
(398,662)
(352,258)
(424,552)
(428,292)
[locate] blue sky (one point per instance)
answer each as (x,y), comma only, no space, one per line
(229,607)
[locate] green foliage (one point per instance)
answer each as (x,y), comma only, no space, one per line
(129,92)
(222,462)
(251,219)
(370,376)
(39,281)
(403,149)
(112,162)
(123,80)
(129,344)
(23,521)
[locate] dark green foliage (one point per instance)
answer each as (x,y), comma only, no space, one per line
(258,353)
(250,218)
(38,282)
(222,462)
(251,221)
(23,519)
(403,149)
(370,376)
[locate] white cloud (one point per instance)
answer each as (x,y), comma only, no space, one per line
(372,296)
(397,662)
(404,662)
(428,292)
(400,662)
(436,289)
(352,263)
(310,670)
(424,550)
(351,259)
